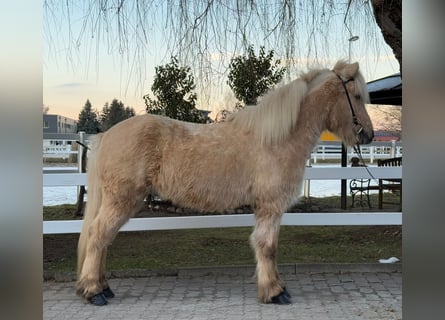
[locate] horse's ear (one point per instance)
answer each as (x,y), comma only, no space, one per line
(350,70)
(346,70)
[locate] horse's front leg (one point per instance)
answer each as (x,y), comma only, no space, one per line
(92,283)
(264,241)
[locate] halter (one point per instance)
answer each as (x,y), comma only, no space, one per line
(356,123)
(354,117)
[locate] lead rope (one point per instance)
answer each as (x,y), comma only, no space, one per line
(358,151)
(83,145)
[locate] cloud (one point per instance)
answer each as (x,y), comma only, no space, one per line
(72,85)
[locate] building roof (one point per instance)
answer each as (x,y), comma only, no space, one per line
(387,90)
(381,135)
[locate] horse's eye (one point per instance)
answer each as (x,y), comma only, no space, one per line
(357,96)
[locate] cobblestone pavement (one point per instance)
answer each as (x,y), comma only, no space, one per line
(321,295)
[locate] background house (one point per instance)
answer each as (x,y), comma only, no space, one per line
(54,123)
(54,147)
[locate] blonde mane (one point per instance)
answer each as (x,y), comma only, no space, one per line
(276,114)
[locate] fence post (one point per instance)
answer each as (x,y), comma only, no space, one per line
(307,183)
(393,148)
(344,156)
(79,151)
(79,155)
(314,153)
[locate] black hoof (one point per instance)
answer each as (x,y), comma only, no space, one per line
(286,293)
(98,299)
(282,298)
(108,293)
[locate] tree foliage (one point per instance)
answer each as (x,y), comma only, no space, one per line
(251,76)
(88,119)
(114,113)
(173,89)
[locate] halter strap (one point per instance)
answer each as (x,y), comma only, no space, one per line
(357,149)
(354,117)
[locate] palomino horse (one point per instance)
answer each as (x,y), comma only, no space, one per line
(261,164)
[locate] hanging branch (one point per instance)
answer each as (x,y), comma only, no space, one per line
(206,34)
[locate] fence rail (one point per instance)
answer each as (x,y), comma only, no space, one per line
(323,151)
(375,150)
(80,179)
(237,220)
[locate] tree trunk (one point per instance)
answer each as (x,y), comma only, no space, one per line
(388,15)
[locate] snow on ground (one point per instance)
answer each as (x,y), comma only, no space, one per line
(68,195)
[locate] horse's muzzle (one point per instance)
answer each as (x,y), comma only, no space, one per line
(365,137)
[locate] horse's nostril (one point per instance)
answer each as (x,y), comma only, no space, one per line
(365,137)
(370,137)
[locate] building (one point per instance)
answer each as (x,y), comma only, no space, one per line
(53,123)
(382,135)
(54,147)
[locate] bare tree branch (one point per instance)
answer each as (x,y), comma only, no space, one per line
(204,34)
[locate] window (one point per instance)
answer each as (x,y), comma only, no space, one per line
(45,124)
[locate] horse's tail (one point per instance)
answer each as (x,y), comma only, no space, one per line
(94,200)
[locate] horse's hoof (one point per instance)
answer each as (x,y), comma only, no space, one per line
(282,298)
(108,293)
(98,299)
(286,293)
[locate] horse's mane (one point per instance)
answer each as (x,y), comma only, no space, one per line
(277,112)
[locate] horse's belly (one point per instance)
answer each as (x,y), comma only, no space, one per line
(206,198)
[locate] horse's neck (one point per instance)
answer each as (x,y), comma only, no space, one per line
(310,124)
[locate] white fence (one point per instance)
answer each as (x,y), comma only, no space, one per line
(375,150)
(331,150)
(323,151)
(242,220)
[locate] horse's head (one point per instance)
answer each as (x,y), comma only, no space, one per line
(348,117)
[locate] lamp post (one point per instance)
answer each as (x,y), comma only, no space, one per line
(351,39)
(344,150)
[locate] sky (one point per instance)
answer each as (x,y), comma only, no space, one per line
(73,74)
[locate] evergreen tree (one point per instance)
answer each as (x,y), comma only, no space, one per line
(88,121)
(173,88)
(114,113)
(251,76)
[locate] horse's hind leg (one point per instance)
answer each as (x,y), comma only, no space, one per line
(101,232)
(107,292)
(264,241)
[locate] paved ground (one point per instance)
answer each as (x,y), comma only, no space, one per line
(323,294)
